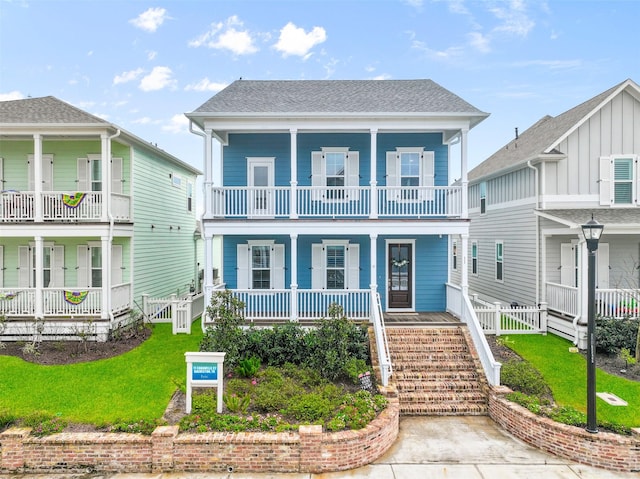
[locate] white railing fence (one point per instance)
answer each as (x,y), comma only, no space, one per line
(179,311)
(17,205)
(563,299)
(58,205)
(494,318)
(617,303)
(324,201)
(68,302)
(382,345)
(17,301)
(459,305)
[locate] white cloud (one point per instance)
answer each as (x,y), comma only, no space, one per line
(205,85)
(514,18)
(225,36)
(150,20)
(458,6)
(178,124)
(145,120)
(550,64)
(447,54)
(127,76)
(295,41)
(151,55)
(479,41)
(158,79)
(383,76)
(12,95)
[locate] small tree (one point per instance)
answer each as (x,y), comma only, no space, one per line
(226,334)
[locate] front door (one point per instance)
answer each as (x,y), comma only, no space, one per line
(260,182)
(399,287)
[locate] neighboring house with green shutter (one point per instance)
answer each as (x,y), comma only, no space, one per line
(91,218)
(527,203)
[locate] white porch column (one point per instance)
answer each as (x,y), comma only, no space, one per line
(105,171)
(294,277)
(208,174)
(373,284)
(293,204)
(373,175)
(37,176)
(464,277)
(39,267)
(463,173)
(105,250)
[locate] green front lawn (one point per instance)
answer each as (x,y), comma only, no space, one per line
(134,386)
(566,375)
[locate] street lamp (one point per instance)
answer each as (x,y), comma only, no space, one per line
(592,231)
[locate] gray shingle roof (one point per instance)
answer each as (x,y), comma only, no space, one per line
(537,139)
(618,216)
(336,96)
(44,110)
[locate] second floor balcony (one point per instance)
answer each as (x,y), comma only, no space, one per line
(52,206)
(335,202)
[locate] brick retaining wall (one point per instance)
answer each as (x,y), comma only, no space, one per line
(604,450)
(308,450)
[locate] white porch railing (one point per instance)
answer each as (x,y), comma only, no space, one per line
(70,302)
(382,345)
(120,206)
(58,205)
(314,304)
(320,201)
(17,206)
(325,202)
(121,297)
(426,201)
(618,303)
(494,318)
(563,299)
(179,311)
(17,301)
(459,305)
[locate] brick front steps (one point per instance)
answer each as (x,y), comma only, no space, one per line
(435,371)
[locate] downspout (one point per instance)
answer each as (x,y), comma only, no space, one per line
(537,195)
(111,226)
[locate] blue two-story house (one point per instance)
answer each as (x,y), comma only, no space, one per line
(333,191)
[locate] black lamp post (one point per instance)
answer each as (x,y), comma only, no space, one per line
(592,231)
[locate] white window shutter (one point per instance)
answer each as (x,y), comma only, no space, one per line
(353,168)
(242,257)
(47,173)
(83,175)
(317,267)
(278,267)
(1,176)
(427,174)
(606,188)
(602,259)
(1,266)
(318,179)
(116,264)
(636,182)
(57,267)
(353,265)
(24,269)
(567,271)
(393,178)
(30,173)
(83,276)
(116,175)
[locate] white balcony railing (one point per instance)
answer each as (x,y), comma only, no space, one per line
(563,299)
(68,301)
(326,202)
(61,206)
(618,303)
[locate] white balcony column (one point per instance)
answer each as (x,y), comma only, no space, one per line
(208,269)
(39,267)
(105,250)
(464,267)
(293,204)
(105,171)
(373,284)
(37,176)
(208,173)
(464,181)
(374,181)
(294,277)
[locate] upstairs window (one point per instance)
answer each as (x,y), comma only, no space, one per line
(623,181)
(474,257)
(334,173)
(499,261)
(454,258)
(410,169)
(483,197)
(189,196)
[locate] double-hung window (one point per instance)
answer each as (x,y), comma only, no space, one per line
(260,265)
(409,172)
(623,181)
(335,174)
(499,261)
(474,257)
(335,265)
(454,257)
(483,197)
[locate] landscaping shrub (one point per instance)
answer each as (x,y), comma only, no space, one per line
(226,335)
(44,424)
(141,426)
(521,376)
(614,334)
(248,367)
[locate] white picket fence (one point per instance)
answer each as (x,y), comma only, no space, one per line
(497,319)
(179,311)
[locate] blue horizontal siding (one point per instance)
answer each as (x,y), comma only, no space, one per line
(241,146)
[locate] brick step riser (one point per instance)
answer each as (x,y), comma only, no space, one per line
(430,349)
(443,410)
(444,375)
(437,386)
(420,398)
(434,367)
(444,357)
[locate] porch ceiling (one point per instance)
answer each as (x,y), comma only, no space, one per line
(620,220)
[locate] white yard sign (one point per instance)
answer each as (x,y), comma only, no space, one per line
(204,370)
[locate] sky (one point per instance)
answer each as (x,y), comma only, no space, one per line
(143,64)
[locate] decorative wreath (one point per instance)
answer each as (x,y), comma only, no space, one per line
(399,263)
